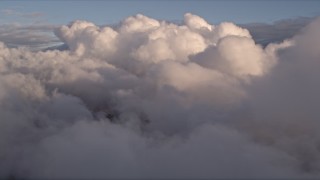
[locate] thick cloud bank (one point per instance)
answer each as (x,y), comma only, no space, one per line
(152,99)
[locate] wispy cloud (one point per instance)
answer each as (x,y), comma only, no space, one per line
(16,12)
(34,36)
(278,31)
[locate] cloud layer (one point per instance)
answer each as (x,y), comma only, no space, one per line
(34,36)
(153,99)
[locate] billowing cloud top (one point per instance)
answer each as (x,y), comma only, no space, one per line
(153,99)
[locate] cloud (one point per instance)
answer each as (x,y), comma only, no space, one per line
(235,55)
(8,12)
(16,12)
(33,15)
(28,29)
(154,99)
(285,101)
(36,36)
(277,31)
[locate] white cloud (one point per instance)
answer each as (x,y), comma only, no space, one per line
(152,99)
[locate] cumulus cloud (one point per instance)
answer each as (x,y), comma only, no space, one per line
(228,56)
(154,99)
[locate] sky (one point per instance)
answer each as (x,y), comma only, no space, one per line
(112,11)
